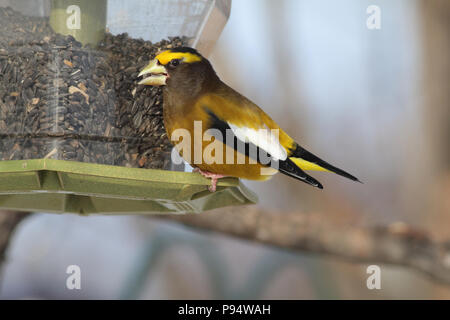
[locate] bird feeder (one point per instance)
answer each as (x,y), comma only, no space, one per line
(77,133)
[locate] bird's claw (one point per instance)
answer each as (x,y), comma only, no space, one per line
(213,176)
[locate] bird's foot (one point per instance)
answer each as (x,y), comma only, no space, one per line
(213,176)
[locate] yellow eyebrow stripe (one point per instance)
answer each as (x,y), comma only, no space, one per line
(166,56)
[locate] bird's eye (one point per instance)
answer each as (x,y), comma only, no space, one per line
(174,62)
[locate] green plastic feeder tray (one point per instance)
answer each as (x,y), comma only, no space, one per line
(84,188)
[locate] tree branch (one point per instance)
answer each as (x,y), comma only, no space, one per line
(396,244)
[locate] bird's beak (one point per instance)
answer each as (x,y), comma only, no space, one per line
(158,74)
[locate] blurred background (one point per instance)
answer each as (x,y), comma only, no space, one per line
(373,102)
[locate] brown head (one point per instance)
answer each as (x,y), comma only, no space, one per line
(182,71)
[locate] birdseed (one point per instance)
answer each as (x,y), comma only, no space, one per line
(62,100)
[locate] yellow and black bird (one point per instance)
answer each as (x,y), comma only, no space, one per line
(193,94)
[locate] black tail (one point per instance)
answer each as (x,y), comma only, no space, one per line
(308,156)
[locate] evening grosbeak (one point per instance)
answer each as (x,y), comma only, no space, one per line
(247,143)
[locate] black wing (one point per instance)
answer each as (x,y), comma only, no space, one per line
(252,151)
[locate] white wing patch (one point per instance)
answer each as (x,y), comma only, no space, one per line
(264,138)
